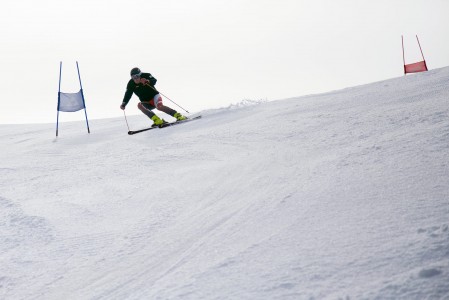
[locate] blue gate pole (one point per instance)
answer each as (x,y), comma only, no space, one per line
(82,96)
(59,97)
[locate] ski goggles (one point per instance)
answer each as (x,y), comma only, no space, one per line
(136,76)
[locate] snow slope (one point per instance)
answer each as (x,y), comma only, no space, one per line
(342,195)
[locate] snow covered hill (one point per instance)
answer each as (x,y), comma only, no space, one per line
(343,195)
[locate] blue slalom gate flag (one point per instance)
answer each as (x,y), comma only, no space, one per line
(70,102)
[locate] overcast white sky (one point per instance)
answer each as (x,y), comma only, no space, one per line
(205,53)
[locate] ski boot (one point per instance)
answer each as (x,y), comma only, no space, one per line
(158,122)
(179,117)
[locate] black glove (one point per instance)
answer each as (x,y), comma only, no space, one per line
(122,107)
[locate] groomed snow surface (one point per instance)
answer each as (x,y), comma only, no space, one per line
(343,195)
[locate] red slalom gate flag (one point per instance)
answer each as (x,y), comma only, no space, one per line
(420,66)
(415,67)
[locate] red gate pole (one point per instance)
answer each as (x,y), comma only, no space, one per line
(403,54)
(422,54)
(420,48)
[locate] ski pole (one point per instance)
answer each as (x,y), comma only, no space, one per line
(126,120)
(168,98)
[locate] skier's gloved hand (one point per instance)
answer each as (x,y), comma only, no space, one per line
(122,107)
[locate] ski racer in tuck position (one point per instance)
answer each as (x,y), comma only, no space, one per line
(142,84)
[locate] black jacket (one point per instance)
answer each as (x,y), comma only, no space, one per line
(144,92)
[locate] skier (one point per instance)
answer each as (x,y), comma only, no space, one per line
(142,84)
